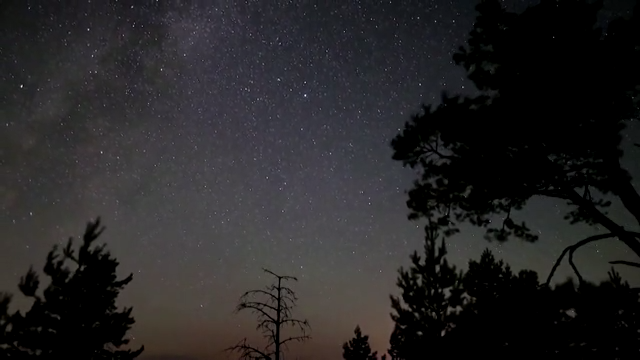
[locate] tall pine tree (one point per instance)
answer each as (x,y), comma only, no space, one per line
(431,294)
(75,317)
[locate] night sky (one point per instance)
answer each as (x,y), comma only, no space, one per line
(256,135)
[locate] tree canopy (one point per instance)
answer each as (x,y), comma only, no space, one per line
(489,311)
(554,93)
(431,290)
(358,348)
(75,316)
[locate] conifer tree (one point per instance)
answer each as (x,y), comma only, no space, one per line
(75,317)
(490,311)
(504,312)
(431,293)
(358,348)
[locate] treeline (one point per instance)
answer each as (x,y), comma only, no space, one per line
(441,311)
(492,312)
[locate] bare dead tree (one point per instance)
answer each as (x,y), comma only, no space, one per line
(273,307)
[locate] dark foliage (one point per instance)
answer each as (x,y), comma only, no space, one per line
(358,348)
(5,321)
(76,316)
(491,312)
(431,292)
(504,313)
(273,307)
(555,93)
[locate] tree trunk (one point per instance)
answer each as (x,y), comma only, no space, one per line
(628,195)
(278,311)
(609,224)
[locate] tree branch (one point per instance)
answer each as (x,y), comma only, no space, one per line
(428,147)
(623,262)
(626,237)
(244,305)
(300,338)
(247,351)
(257,304)
(68,252)
(293,322)
(282,277)
(571,249)
(262,292)
(273,312)
(625,191)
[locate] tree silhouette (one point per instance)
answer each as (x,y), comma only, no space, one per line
(5,326)
(555,92)
(492,312)
(489,311)
(606,322)
(273,308)
(431,292)
(504,312)
(358,348)
(76,316)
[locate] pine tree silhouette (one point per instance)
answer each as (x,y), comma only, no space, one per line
(358,348)
(490,312)
(431,292)
(75,317)
(504,314)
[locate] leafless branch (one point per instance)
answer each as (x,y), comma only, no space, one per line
(257,305)
(571,249)
(302,324)
(248,352)
(260,292)
(274,314)
(301,338)
(281,277)
(255,309)
(624,262)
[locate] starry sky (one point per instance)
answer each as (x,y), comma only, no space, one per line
(215,138)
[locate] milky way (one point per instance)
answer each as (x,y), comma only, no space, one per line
(219,138)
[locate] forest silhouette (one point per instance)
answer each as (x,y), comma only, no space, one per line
(555,93)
